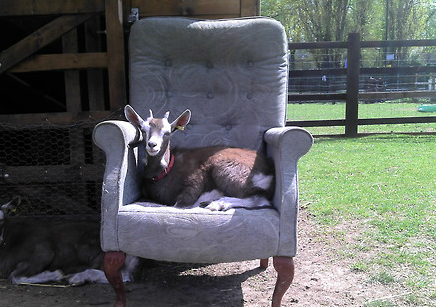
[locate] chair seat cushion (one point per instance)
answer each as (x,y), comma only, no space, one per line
(197,235)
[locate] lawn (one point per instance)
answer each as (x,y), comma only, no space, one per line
(325,111)
(377,194)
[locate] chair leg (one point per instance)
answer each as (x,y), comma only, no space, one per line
(112,263)
(285,274)
(264,263)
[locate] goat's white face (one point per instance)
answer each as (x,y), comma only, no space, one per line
(5,211)
(156,132)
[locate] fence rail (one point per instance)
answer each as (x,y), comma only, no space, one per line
(352,72)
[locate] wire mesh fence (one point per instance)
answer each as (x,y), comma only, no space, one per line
(55,169)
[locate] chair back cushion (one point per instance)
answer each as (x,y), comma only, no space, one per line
(232,74)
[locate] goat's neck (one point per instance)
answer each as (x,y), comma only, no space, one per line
(157,164)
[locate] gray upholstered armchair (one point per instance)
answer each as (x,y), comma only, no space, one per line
(232,75)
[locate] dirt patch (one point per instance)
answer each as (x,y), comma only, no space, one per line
(321,279)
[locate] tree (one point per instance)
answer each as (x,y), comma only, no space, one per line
(332,20)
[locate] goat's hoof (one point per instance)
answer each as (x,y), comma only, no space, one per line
(204,204)
(216,206)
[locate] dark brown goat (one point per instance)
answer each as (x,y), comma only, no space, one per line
(186,178)
(41,250)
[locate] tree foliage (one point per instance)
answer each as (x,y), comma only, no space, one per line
(332,20)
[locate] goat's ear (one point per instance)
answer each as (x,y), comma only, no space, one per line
(11,206)
(181,121)
(132,116)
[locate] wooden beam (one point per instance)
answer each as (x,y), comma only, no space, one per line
(93,43)
(403,43)
(397,95)
(72,78)
(49,7)
(115,51)
(194,8)
(316,123)
(397,120)
(59,118)
(317,72)
(66,61)
(40,38)
(293,97)
(318,45)
(398,70)
(250,8)
(55,173)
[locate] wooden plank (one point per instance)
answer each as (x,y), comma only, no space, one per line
(317,72)
(353,72)
(40,38)
(397,95)
(73,97)
(250,8)
(364,44)
(187,7)
(397,120)
(46,62)
(115,51)
(315,96)
(93,43)
(59,118)
(55,173)
(215,16)
(49,7)
(317,45)
(316,123)
(404,43)
(398,70)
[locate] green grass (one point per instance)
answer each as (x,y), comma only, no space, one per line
(378,195)
(327,111)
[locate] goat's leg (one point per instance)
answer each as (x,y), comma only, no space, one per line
(112,263)
(285,274)
(191,193)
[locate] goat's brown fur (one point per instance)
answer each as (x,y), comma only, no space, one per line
(195,171)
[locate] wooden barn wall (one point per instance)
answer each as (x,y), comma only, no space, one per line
(62,70)
(196,8)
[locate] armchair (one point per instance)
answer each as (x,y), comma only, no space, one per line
(232,74)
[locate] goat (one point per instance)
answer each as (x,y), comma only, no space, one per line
(187,178)
(38,251)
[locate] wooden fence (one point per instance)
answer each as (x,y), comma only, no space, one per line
(352,95)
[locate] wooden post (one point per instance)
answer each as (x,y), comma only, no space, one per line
(250,8)
(115,52)
(72,78)
(95,76)
(353,73)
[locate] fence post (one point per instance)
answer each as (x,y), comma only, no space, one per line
(353,73)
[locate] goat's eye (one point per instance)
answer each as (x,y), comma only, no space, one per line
(167,134)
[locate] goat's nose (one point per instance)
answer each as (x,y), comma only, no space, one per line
(152,144)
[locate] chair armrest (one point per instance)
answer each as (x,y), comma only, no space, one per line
(121,181)
(285,145)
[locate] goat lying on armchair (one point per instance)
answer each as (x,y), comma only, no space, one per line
(200,176)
